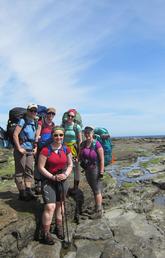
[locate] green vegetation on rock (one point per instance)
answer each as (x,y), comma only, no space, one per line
(129,184)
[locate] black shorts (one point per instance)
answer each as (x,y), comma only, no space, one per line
(53,192)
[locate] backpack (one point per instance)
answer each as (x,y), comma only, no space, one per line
(77,119)
(15,114)
(3,140)
(45,138)
(102,135)
(41,111)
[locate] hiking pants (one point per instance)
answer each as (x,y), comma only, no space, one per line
(24,165)
(76,170)
(92,174)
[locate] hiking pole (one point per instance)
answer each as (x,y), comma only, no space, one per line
(61,197)
(65,244)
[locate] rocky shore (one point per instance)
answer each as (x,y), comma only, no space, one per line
(133,223)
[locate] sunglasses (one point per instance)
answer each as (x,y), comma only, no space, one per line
(60,134)
(33,110)
(51,113)
(71,116)
(88,132)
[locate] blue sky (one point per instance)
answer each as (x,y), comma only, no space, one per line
(105,58)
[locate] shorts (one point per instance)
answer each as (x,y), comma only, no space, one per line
(53,192)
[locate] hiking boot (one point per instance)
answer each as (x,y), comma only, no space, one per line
(97,215)
(38,188)
(59,231)
(30,194)
(47,239)
(22,195)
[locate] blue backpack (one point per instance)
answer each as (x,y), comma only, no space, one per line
(46,138)
(41,111)
(102,135)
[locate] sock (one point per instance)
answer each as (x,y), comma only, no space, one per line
(46,229)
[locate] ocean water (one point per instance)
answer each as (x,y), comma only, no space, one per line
(139,137)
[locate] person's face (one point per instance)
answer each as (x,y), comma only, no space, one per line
(71,116)
(50,116)
(32,113)
(88,134)
(58,136)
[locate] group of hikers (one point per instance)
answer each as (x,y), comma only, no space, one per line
(56,151)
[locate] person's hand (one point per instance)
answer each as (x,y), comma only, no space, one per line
(35,151)
(100,176)
(61,177)
(22,150)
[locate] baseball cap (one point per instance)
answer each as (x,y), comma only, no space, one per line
(51,109)
(30,106)
(89,128)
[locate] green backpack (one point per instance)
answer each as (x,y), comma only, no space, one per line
(102,135)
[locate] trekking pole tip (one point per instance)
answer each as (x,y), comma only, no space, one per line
(66,244)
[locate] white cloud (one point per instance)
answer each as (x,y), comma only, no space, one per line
(47,46)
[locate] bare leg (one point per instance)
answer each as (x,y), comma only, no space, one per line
(59,229)
(47,215)
(46,222)
(98,200)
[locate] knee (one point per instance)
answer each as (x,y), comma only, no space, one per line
(50,207)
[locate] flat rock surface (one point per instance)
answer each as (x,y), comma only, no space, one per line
(133,223)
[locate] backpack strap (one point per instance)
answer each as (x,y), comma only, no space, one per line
(76,132)
(75,128)
(34,127)
(50,149)
(93,146)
